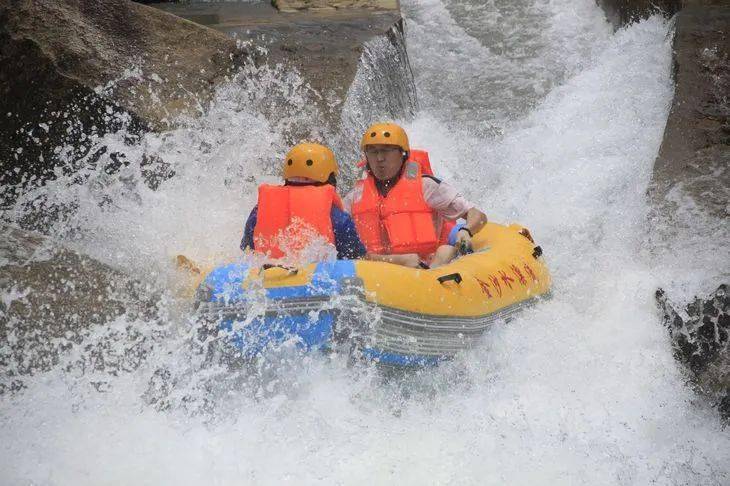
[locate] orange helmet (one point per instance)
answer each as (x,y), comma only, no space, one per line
(310,160)
(386,134)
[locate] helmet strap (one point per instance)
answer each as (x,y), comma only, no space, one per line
(331,180)
(299,183)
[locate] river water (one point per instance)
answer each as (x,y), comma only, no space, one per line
(543,116)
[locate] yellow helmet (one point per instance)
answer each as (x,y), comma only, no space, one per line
(386,134)
(310,160)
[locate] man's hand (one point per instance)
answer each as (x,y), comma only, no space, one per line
(463,240)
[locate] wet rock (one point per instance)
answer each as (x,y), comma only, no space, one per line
(73,70)
(699,334)
(622,12)
(295,5)
(52,299)
(695,153)
(352,63)
(326,46)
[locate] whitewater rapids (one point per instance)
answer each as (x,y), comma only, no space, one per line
(544,116)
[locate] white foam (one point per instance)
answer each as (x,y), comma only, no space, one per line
(580,389)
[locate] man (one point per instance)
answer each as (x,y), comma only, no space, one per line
(399,211)
(305,212)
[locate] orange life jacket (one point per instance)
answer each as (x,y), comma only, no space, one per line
(399,223)
(423,160)
(290,216)
(421,156)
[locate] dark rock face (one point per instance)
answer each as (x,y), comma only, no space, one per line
(51,298)
(696,147)
(324,45)
(695,153)
(693,164)
(700,338)
(295,5)
(72,70)
(622,12)
(351,57)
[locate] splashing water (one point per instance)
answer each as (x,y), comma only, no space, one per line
(559,134)
(488,62)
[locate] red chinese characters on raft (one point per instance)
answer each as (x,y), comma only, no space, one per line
(505,279)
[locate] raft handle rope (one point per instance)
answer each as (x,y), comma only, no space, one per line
(291,270)
(456,277)
(537,252)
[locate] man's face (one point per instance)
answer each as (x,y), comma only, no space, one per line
(385,161)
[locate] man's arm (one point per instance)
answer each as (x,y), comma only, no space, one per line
(475,220)
(347,241)
(247,240)
(446,200)
(407,259)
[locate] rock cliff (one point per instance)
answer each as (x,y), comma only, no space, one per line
(73,70)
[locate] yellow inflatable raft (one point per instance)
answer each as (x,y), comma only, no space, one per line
(405,317)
